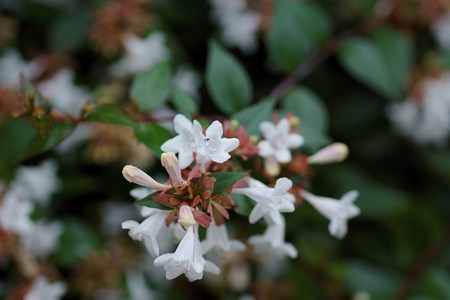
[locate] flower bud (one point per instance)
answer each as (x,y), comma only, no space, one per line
(185,216)
(333,153)
(136,175)
(170,162)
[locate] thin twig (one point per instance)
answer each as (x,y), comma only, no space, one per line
(422,264)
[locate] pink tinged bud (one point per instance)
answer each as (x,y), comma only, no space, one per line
(333,153)
(136,175)
(185,216)
(170,162)
(271,166)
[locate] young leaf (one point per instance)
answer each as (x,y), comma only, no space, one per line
(152,135)
(152,87)
(296,29)
(226,179)
(227,81)
(107,113)
(252,116)
(149,202)
(184,103)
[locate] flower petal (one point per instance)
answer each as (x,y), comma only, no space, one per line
(214,130)
(182,125)
(173,145)
(229,145)
(294,140)
(265,149)
(283,155)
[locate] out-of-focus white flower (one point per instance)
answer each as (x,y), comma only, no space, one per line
(218,241)
(141,192)
(39,182)
(113,212)
(163,115)
(337,211)
(12,65)
(141,54)
(212,147)
(44,290)
(270,202)
(42,238)
(63,94)
(137,287)
(425,120)
(276,144)
(240,31)
(81,133)
(441,31)
(272,242)
(15,211)
(184,143)
(187,259)
(335,152)
(148,229)
(187,80)
(239,26)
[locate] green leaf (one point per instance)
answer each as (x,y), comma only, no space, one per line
(57,134)
(152,87)
(296,29)
(152,135)
(184,103)
(111,114)
(227,81)
(226,179)
(243,203)
(312,113)
(252,116)
(382,63)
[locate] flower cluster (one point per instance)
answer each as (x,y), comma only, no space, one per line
(203,183)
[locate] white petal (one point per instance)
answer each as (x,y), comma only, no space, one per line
(214,130)
(283,155)
(265,149)
(266,128)
(220,157)
(257,213)
(162,260)
(283,185)
(152,245)
(283,126)
(350,197)
(294,140)
(129,224)
(185,159)
(229,145)
(338,228)
(211,268)
(182,124)
(173,145)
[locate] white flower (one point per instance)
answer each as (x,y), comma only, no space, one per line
(42,238)
(187,80)
(136,175)
(39,182)
(335,152)
(184,143)
(278,141)
(240,31)
(43,290)
(217,240)
(137,287)
(337,211)
(141,54)
(187,259)
(212,147)
(272,242)
(426,119)
(441,31)
(12,65)
(63,94)
(15,211)
(269,201)
(148,229)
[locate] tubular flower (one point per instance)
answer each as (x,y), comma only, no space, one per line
(278,141)
(217,240)
(187,259)
(335,152)
(272,242)
(212,147)
(270,202)
(185,143)
(337,211)
(148,229)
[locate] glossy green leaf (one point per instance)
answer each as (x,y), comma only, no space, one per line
(152,87)
(382,63)
(153,136)
(243,203)
(111,114)
(226,179)
(227,81)
(184,103)
(252,116)
(295,31)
